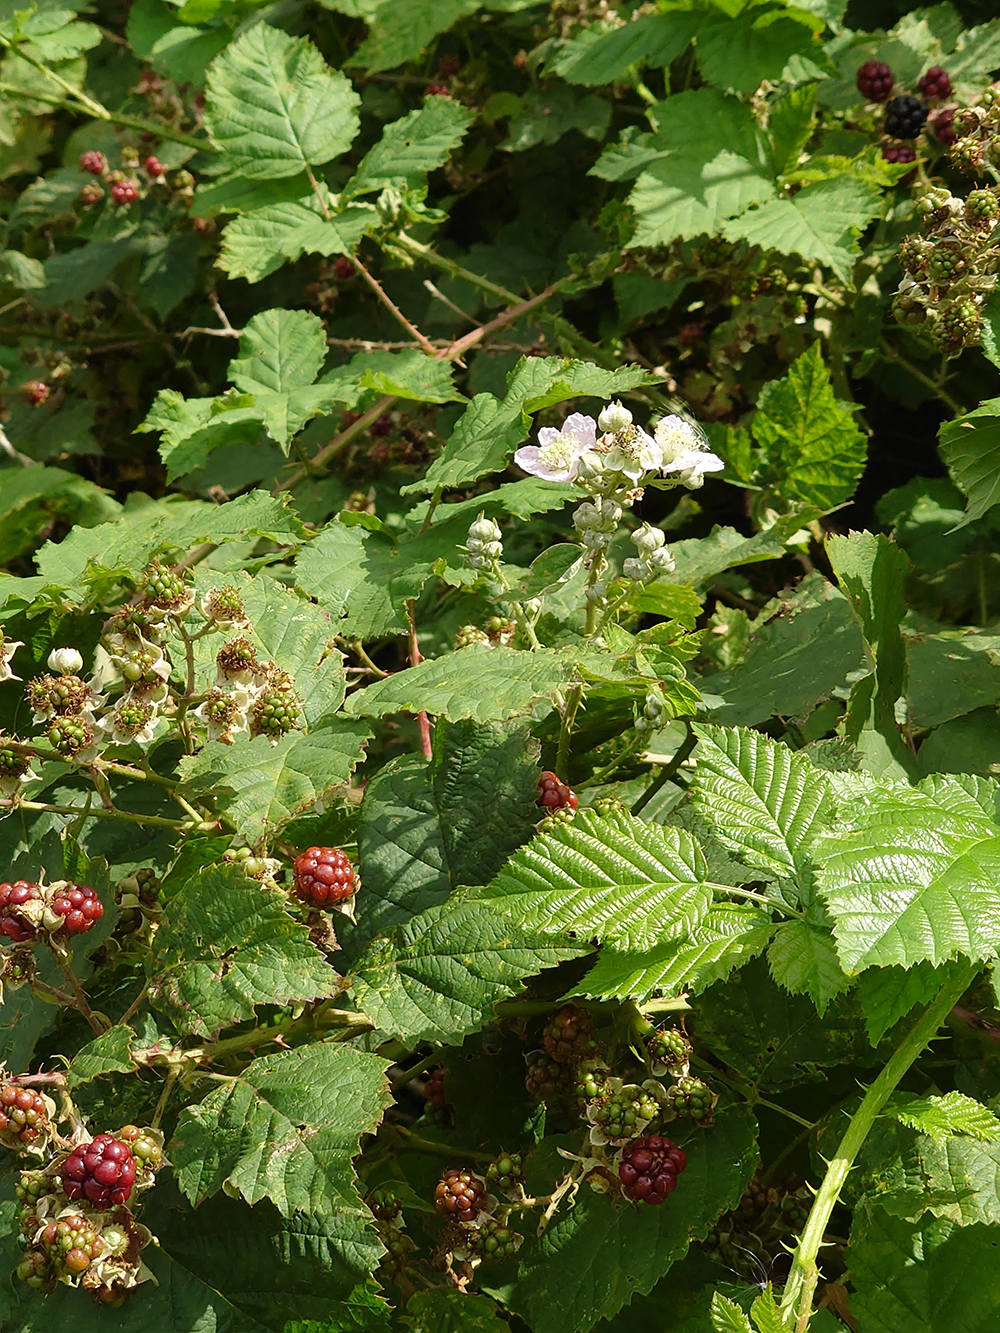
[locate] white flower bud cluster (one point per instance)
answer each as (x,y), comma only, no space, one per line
(654,556)
(484,544)
(653,715)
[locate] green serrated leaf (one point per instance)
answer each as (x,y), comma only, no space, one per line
(109,1053)
(348,570)
(411,147)
(888,994)
(609,877)
(765,802)
(729,935)
(593,57)
(727,1317)
(261,785)
(913,878)
(970,447)
(740,52)
(275,108)
(804,961)
(446,1310)
(439,976)
(954,1113)
(400,32)
(226,944)
(285,1130)
(259,242)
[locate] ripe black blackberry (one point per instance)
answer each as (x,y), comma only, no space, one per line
(875,80)
(460,1195)
(649,1169)
(324,876)
(904,117)
(935,84)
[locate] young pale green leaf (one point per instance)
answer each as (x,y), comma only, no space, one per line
(872,571)
(429,828)
(285,1130)
(803,960)
(970,447)
(400,32)
(483,683)
(411,147)
(261,785)
(274,108)
(593,57)
(608,877)
(259,242)
(821,223)
(596,1256)
(766,1314)
(814,451)
(727,1317)
(729,935)
(226,944)
(438,976)
(913,879)
(765,802)
(712,168)
(954,1113)
(111,1052)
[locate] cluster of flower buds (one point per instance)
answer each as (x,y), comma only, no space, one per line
(654,714)
(484,545)
(951,267)
(654,556)
(73,1216)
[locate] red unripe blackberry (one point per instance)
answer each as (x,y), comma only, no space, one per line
(569,1034)
(875,80)
(449,66)
(382,426)
(554,794)
(324,877)
(434,1088)
(904,117)
(649,1169)
(102,1171)
(154,166)
(942,126)
(460,1195)
(36,392)
(94,162)
(13,926)
(437,90)
(344,269)
(935,84)
(80,908)
(23,1116)
(124,192)
(899,152)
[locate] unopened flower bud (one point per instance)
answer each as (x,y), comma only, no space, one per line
(614,418)
(586,516)
(648,539)
(597,593)
(661,561)
(484,530)
(595,540)
(589,467)
(611,514)
(65,661)
(637,570)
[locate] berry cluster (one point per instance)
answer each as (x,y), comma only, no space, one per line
(875,81)
(757,1231)
(691,1099)
(623,1113)
(276,710)
(553,794)
(494,1241)
(80,908)
(62,909)
(649,1169)
(324,877)
(506,1172)
(668,1048)
(935,85)
(905,116)
(25,1117)
(460,1195)
(102,1172)
(568,1035)
(16,924)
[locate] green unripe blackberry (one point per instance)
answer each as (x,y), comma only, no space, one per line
(945,265)
(958,326)
(914,252)
(506,1172)
(384,1204)
(59,695)
(471,637)
(691,1099)
(223,604)
(569,1034)
(136,667)
(70,735)
(237,656)
(163,588)
(145,1145)
(626,1113)
(669,1047)
(591,1083)
(12,764)
(982,206)
(967,153)
(494,1242)
(277,709)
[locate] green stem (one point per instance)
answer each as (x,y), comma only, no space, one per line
(796,1303)
(573,700)
(158,821)
(939,391)
(668,770)
(410,1142)
(635,744)
(98,112)
(756,898)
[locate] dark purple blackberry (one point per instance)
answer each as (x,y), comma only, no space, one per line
(875,81)
(899,152)
(649,1169)
(942,126)
(935,84)
(904,117)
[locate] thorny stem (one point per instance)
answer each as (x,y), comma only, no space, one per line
(98,112)
(682,753)
(158,821)
(323,1017)
(635,744)
(168,1086)
(394,309)
(573,700)
(80,1000)
(410,1142)
(938,389)
(423,721)
(410,1072)
(796,1303)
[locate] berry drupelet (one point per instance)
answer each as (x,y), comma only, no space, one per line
(460,1195)
(324,877)
(554,794)
(875,81)
(102,1172)
(80,908)
(905,116)
(123,193)
(935,84)
(649,1169)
